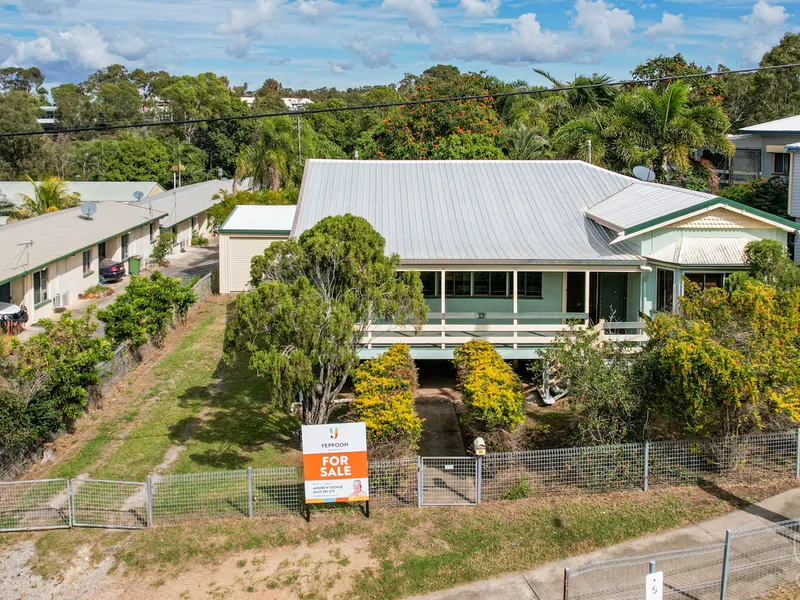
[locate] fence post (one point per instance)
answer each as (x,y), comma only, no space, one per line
(797,462)
(419,482)
(250,492)
(723,588)
(478,478)
(652,567)
(149,499)
(70,517)
(566,583)
(646,465)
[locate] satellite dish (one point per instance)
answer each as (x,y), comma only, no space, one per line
(88,209)
(644,173)
(138,195)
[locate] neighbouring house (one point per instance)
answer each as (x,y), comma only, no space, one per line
(511,251)
(89,191)
(295,104)
(761,150)
(48,260)
(246,233)
(186,208)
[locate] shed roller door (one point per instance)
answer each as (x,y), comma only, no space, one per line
(241,251)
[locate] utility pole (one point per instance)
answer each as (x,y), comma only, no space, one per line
(589,151)
(299,145)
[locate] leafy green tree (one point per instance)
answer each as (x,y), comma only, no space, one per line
(727,364)
(571,104)
(132,158)
(6,206)
(20,79)
(601,381)
(702,90)
(73,105)
(118,102)
(304,323)
(163,246)
(770,195)
(218,213)
(769,263)
(146,309)
(469,146)
(776,94)
(529,143)
(198,97)
(50,195)
(222,141)
(19,156)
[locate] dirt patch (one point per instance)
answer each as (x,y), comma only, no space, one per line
(303,571)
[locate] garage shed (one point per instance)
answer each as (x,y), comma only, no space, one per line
(246,233)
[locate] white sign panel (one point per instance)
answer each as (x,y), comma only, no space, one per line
(655,586)
(335,464)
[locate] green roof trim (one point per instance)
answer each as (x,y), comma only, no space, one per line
(706,204)
(256,231)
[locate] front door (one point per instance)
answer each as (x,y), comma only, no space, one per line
(5,292)
(576,292)
(608,297)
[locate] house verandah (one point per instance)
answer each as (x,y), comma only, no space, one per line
(518,308)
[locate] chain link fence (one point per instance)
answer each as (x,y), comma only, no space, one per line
(749,564)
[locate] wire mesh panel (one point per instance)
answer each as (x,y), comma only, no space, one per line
(749,458)
(449,481)
(40,504)
(763,559)
(694,573)
(112,504)
(277,491)
(200,496)
(393,482)
(598,468)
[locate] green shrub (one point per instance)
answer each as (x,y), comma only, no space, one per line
(385,389)
(163,247)
(198,239)
(146,309)
(520,490)
(491,391)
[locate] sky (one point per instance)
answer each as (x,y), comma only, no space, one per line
(344,43)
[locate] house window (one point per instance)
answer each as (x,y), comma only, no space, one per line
(175,236)
(458,283)
(124,244)
(101,251)
(707,280)
(665,282)
(781,164)
(152,233)
(430,284)
(40,286)
(194,224)
(87,261)
(490,284)
(529,285)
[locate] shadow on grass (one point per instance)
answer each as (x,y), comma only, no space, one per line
(741,503)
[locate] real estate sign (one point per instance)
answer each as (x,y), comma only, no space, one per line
(335,463)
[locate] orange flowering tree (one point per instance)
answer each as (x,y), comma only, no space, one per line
(426,131)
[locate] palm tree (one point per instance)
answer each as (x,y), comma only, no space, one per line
(529,143)
(50,195)
(645,126)
(276,158)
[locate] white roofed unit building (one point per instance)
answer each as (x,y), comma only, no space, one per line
(246,233)
(761,151)
(48,260)
(510,251)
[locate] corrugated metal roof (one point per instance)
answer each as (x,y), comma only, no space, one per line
(90,191)
(785,125)
(470,211)
(641,202)
(260,218)
(795,147)
(33,243)
(188,201)
(705,251)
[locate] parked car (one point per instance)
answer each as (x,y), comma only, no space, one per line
(12,318)
(111,270)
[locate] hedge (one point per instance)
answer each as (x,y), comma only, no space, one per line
(491,391)
(385,389)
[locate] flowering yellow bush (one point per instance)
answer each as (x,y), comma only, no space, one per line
(491,391)
(385,389)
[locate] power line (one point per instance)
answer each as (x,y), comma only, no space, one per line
(317,111)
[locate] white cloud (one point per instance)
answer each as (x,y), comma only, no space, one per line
(765,25)
(339,67)
(421,14)
(247,20)
(313,9)
(133,43)
(480,8)
(670,25)
(238,47)
(373,53)
(78,48)
(598,28)
(47,7)
(7,46)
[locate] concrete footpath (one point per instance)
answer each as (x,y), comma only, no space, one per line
(547,581)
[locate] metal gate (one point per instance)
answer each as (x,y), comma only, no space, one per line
(449,481)
(111,504)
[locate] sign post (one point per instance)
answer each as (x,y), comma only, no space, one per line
(335,467)
(655,586)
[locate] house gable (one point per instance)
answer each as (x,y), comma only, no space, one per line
(722,218)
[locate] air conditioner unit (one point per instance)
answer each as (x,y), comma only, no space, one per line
(185,244)
(58,301)
(65,298)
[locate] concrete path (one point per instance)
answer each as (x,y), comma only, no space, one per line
(441,435)
(546,582)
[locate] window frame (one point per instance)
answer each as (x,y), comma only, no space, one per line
(42,295)
(522,287)
(784,158)
(659,306)
(124,241)
(705,275)
(87,264)
(153,236)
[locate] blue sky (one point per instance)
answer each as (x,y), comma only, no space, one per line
(340,43)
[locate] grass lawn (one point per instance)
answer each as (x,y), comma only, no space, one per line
(190,412)
(395,553)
